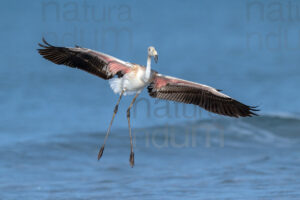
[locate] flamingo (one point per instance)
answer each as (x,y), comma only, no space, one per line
(128,78)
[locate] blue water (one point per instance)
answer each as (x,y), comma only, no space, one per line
(53,118)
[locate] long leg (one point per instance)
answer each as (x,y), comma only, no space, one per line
(131,159)
(108,130)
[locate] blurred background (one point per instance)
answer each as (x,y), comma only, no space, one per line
(54,118)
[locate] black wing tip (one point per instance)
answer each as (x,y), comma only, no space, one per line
(250,111)
(44,45)
(52,53)
(254,108)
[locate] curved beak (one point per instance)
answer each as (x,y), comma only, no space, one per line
(156,58)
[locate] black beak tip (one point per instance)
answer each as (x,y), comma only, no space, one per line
(156,58)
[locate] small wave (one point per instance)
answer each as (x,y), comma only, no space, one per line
(283,115)
(280,129)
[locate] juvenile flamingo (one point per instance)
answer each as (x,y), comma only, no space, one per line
(129,78)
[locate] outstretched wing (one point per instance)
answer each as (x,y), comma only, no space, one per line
(94,62)
(211,99)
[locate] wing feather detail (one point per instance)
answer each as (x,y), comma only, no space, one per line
(94,62)
(211,99)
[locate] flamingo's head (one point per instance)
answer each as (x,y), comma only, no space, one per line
(153,53)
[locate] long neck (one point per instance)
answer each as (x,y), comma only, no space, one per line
(148,69)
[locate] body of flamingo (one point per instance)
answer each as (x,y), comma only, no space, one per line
(128,78)
(131,82)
